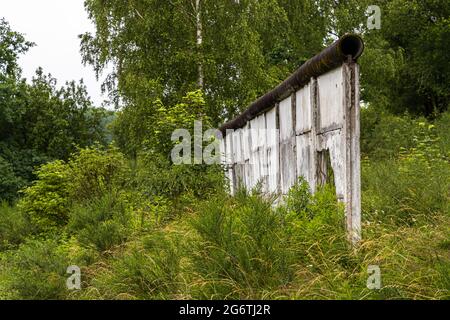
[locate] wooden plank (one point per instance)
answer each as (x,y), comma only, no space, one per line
(223,160)
(352,137)
(254,160)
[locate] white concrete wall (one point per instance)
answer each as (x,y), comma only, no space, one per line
(288,141)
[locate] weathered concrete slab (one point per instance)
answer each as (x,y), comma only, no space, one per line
(288,166)
(304,110)
(314,133)
(305,155)
(331,100)
(273,151)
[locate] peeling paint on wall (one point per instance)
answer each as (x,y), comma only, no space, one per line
(314,133)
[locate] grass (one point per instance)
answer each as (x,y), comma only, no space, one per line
(139,240)
(242,248)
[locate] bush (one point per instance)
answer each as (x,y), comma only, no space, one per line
(248,249)
(9,182)
(14,226)
(384,135)
(101,223)
(156,175)
(37,270)
(307,215)
(95,171)
(47,200)
(149,270)
(413,187)
(442,124)
(239,247)
(89,174)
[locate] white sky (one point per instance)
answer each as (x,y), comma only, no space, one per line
(54,26)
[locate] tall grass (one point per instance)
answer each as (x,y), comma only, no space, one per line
(179,235)
(243,247)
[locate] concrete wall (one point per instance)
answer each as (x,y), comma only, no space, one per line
(303,135)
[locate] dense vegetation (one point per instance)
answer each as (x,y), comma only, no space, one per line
(39,122)
(82,186)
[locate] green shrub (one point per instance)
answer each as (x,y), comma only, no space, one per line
(150,213)
(37,270)
(414,187)
(9,182)
(442,124)
(101,223)
(315,224)
(157,176)
(239,247)
(14,226)
(95,171)
(89,174)
(248,249)
(149,270)
(384,135)
(47,200)
(309,214)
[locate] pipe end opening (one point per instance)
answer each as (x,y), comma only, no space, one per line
(352,45)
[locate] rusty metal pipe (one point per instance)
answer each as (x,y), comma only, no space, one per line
(350,46)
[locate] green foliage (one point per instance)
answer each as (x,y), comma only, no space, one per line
(385,136)
(14,226)
(87,175)
(150,127)
(156,175)
(414,187)
(243,247)
(149,270)
(166,57)
(442,123)
(95,171)
(37,270)
(9,182)
(239,248)
(101,223)
(248,47)
(307,216)
(48,199)
(11,45)
(406,64)
(39,122)
(406,176)
(180,116)
(248,249)
(422,28)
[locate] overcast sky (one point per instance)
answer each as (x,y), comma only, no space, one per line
(54,25)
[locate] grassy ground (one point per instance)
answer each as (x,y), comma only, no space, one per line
(164,233)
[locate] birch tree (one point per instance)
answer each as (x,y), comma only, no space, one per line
(161,48)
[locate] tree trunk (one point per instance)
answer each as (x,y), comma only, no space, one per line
(199,43)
